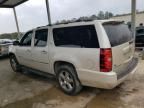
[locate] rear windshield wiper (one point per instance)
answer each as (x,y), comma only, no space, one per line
(113,23)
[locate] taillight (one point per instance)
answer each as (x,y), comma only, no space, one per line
(105,60)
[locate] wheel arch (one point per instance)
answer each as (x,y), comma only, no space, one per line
(10,54)
(59,63)
(78,85)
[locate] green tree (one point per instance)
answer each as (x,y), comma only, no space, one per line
(111,14)
(10,35)
(101,15)
(108,15)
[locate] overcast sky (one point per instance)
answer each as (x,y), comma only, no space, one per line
(33,13)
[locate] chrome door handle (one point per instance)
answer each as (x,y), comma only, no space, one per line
(45,52)
(28,50)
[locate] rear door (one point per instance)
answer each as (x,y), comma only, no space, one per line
(40,50)
(122,44)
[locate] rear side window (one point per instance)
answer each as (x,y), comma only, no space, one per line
(41,37)
(118,33)
(79,36)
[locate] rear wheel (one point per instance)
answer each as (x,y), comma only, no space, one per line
(68,80)
(14,64)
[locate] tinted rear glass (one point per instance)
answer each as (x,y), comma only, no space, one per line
(118,33)
(79,36)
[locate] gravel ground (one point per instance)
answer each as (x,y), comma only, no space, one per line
(33,91)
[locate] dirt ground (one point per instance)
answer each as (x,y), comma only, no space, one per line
(32,91)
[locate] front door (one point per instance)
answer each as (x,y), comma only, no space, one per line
(40,50)
(23,51)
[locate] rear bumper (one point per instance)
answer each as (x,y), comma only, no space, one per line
(3,53)
(106,80)
(129,68)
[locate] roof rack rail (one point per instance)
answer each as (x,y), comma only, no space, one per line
(78,20)
(67,22)
(41,26)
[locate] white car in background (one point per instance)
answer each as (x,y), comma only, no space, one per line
(4,46)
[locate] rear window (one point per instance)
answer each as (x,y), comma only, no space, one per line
(78,36)
(118,33)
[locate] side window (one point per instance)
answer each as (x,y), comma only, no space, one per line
(79,36)
(41,37)
(27,39)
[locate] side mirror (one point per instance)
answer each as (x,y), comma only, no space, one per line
(15,43)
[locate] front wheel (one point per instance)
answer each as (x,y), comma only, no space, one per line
(14,64)
(68,80)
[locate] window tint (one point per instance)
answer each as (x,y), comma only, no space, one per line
(118,33)
(41,38)
(140,31)
(79,36)
(26,40)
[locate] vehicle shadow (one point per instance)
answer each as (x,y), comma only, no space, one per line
(44,77)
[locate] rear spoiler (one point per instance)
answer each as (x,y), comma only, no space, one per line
(113,23)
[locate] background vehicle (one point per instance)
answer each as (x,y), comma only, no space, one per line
(140,37)
(4,46)
(94,53)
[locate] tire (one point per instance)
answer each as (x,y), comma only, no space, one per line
(68,80)
(14,64)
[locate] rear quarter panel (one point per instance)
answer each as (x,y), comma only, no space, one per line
(81,58)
